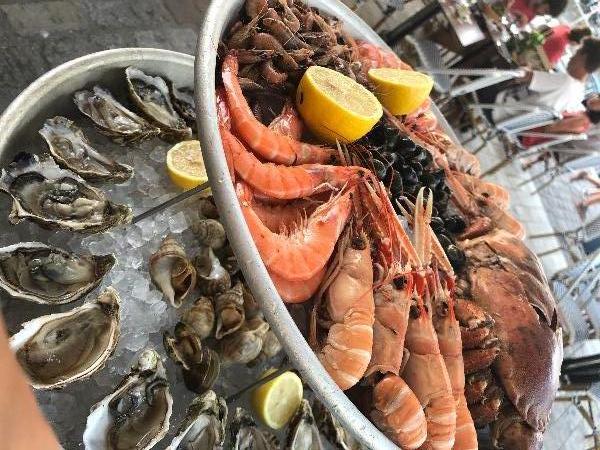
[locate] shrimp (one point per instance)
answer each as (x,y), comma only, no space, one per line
(282,182)
(349,301)
(373,57)
(449,338)
(265,142)
(398,412)
(281,217)
(425,372)
(301,254)
(297,291)
(288,122)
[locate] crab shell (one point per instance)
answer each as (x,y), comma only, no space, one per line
(108,301)
(528,365)
(148,368)
(102,265)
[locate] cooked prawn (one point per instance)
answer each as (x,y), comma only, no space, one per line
(297,291)
(302,253)
(288,122)
(284,182)
(265,142)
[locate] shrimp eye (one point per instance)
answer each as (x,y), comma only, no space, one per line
(414,312)
(358,243)
(400,282)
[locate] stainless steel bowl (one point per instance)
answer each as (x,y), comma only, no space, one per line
(216,21)
(52,93)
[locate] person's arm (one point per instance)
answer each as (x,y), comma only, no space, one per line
(541,81)
(22,424)
(575,124)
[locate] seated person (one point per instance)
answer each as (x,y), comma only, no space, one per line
(560,37)
(525,10)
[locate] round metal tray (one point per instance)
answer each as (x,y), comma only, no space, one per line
(216,21)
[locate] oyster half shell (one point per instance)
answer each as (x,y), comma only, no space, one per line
(332,429)
(136,415)
(71,149)
(185,104)
(112,118)
(304,433)
(58,349)
(247,436)
(36,272)
(57,198)
(204,425)
(151,95)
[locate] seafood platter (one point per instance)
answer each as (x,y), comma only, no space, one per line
(423,307)
(138,335)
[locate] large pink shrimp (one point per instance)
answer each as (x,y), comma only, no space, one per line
(282,182)
(300,254)
(373,57)
(288,122)
(265,142)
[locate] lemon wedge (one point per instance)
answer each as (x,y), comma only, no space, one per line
(335,107)
(276,401)
(185,165)
(400,91)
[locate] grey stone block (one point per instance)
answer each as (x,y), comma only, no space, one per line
(34,18)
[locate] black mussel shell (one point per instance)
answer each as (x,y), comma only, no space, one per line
(384,134)
(410,153)
(421,155)
(404,144)
(394,182)
(409,175)
(455,224)
(390,157)
(380,168)
(441,196)
(427,159)
(417,166)
(456,256)
(445,241)
(437,224)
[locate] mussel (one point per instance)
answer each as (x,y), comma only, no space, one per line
(200,365)
(151,95)
(58,349)
(57,198)
(112,118)
(136,415)
(71,149)
(49,275)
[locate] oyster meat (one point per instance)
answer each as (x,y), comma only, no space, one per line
(48,275)
(58,349)
(200,365)
(184,103)
(303,433)
(71,149)
(112,118)
(57,198)
(136,415)
(204,425)
(172,272)
(247,436)
(151,95)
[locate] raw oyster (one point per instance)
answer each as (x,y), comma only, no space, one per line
(246,343)
(58,349)
(247,436)
(210,233)
(48,275)
(71,149)
(332,429)
(136,415)
(151,95)
(200,365)
(185,104)
(172,272)
(112,118)
(303,433)
(204,425)
(200,317)
(57,198)
(213,278)
(229,307)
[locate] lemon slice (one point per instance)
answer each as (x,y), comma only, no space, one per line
(276,401)
(335,107)
(185,165)
(400,91)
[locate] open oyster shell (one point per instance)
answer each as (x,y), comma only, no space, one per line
(39,273)
(57,349)
(57,198)
(303,432)
(112,118)
(151,95)
(204,425)
(184,103)
(332,429)
(71,149)
(246,435)
(136,415)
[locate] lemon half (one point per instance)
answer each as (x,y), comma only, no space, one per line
(185,165)
(276,401)
(335,107)
(400,91)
